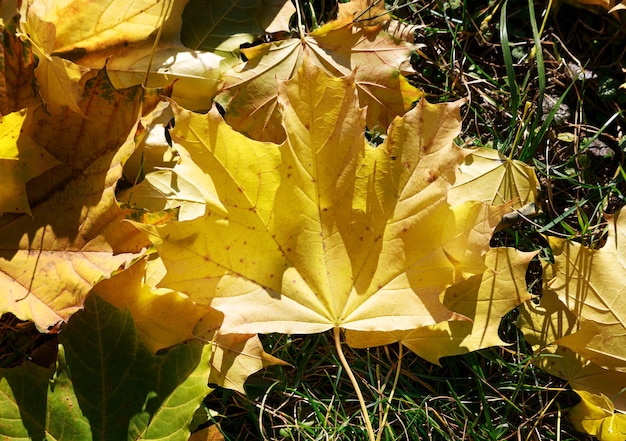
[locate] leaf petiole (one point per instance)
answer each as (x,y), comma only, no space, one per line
(355,384)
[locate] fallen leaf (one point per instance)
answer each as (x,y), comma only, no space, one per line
(82,26)
(484,298)
(223,27)
(599,343)
(211,433)
(373,15)
(236,357)
(138,395)
(58,78)
(196,76)
(164,189)
(364,12)
(582,374)
(35,403)
(163,317)
(50,261)
(596,416)
(325,231)
(17,71)
(21,159)
(250,90)
(584,280)
(490,176)
(545,320)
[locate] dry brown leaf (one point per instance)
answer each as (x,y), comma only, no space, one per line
(250,91)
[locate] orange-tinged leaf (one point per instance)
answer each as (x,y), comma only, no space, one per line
(58,78)
(325,231)
(195,75)
(48,262)
(21,159)
(211,433)
(596,416)
(364,12)
(485,298)
(85,26)
(250,91)
(17,67)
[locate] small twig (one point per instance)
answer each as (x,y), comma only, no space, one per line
(167,7)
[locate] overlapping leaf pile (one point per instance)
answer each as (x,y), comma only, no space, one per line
(279,218)
(581,319)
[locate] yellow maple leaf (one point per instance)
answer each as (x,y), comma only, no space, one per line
(492,177)
(484,298)
(21,159)
(324,231)
(596,416)
(584,280)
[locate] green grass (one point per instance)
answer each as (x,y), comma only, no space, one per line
(493,394)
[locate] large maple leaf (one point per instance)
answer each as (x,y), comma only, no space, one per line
(48,262)
(250,91)
(484,298)
(325,231)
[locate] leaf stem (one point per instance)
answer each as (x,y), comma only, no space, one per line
(355,384)
(299,17)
